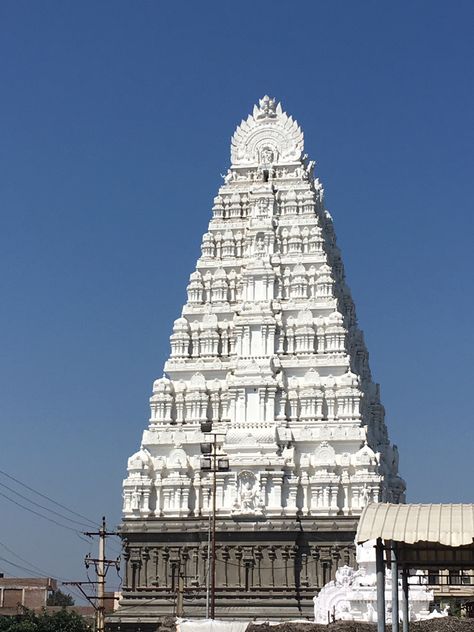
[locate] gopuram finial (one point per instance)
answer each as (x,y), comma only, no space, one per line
(267,130)
(267,108)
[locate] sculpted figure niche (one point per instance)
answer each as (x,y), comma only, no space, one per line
(248,501)
(266,156)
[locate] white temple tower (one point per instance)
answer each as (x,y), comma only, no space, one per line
(267,348)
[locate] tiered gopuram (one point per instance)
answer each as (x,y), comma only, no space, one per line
(267,348)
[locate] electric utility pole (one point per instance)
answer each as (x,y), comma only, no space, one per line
(101,565)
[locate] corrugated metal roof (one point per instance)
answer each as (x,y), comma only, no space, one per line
(452,525)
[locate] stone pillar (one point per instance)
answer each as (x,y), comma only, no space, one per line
(196,483)
(293,401)
(306,492)
(330,404)
(264,477)
(275,494)
(292,493)
(261,404)
(270,407)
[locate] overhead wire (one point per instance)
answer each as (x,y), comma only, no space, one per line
(36,569)
(33,570)
(76,531)
(115,549)
(120,578)
(85,523)
(30,570)
(88,522)
(23,568)
(51,500)
(33,502)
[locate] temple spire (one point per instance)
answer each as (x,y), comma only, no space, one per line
(268,348)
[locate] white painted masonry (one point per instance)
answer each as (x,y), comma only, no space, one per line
(268,348)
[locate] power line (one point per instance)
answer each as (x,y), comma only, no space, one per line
(33,502)
(88,520)
(34,568)
(116,549)
(110,546)
(55,502)
(78,533)
(37,569)
(30,571)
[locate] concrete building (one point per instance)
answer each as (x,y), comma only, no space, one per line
(17,593)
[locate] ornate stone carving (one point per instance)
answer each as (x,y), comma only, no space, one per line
(248,501)
(268,348)
(267,131)
(352,594)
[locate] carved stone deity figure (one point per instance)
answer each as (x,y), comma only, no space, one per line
(248,497)
(228,177)
(135,500)
(260,245)
(266,156)
(364,496)
(261,208)
(344,576)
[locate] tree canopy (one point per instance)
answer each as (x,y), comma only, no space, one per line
(59,598)
(29,621)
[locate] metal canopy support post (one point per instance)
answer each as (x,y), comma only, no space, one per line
(405,602)
(394,568)
(380,570)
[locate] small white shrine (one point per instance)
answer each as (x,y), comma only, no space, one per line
(352,595)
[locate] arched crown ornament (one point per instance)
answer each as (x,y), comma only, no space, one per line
(268,136)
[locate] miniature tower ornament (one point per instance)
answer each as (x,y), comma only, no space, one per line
(268,349)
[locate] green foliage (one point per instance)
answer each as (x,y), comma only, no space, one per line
(59,598)
(29,621)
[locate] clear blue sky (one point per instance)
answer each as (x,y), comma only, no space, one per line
(115,123)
